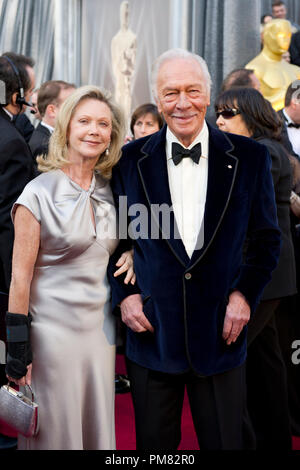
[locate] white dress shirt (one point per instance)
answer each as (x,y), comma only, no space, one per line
(293,134)
(188,185)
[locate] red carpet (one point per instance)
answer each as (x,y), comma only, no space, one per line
(125,430)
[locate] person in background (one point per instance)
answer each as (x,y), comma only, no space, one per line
(266,18)
(16,164)
(24,126)
(35,110)
(289,325)
(279,11)
(290,116)
(22,121)
(295,49)
(51,96)
(145,120)
(247,78)
(245,112)
(65,232)
(240,78)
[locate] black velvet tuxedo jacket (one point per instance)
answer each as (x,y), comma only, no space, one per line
(39,140)
(185,299)
(16,170)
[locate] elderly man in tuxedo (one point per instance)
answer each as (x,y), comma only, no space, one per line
(186,316)
(290,115)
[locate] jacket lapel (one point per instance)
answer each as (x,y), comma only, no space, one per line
(153,172)
(5,115)
(222,169)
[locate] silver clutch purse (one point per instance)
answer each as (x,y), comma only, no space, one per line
(19,411)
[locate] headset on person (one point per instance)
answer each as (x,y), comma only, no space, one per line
(20,100)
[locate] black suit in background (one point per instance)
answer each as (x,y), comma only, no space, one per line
(24,126)
(295,49)
(266,372)
(289,326)
(16,170)
(285,137)
(39,141)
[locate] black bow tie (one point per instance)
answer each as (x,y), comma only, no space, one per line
(292,124)
(179,152)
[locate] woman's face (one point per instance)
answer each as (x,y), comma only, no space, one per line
(228,122)
(145,125)
(90,129)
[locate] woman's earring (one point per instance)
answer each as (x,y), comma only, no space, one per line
(107,151)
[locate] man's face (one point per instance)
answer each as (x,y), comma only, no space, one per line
(182,97)
(279,12)
(28,93)
(294,110)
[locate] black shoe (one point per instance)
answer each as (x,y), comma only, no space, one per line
(122,384)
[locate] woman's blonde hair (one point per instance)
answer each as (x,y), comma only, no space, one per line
(57,156)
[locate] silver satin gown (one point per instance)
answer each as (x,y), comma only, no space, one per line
(73,329)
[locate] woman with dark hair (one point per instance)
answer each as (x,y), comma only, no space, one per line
(244,111)
(145,120)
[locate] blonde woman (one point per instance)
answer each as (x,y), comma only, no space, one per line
(65,232)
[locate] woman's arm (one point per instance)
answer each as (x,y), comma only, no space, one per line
(26,246)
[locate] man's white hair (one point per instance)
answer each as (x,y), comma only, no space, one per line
(173,54)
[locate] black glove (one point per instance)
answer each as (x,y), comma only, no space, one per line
(19,354)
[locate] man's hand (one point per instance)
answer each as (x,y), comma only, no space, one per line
(133,315)
(236,317)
